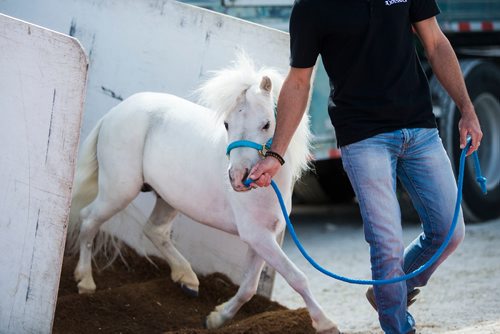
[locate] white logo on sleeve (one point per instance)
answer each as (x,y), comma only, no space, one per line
(393,2)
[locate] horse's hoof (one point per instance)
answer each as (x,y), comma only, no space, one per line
(188,291)
(327,327)
(213,321)
(333,330)
(86,289)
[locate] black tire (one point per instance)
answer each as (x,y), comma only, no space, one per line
(307,190)
(334,180)
(483,84)
(326,183)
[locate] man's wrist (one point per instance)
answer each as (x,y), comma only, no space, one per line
(276,156)
(467,109)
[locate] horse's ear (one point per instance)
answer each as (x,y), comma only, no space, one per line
(266,84)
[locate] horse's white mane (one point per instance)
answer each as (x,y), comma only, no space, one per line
(222,90)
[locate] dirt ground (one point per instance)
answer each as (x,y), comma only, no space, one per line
(141,298)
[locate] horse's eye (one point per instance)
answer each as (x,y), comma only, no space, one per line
(265,127)
(226,125)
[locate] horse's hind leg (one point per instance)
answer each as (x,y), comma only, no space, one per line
(246,291)
(158,230)
(93,216)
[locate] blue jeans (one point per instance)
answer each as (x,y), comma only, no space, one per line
(418,159)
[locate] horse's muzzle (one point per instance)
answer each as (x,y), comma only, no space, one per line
(237,177)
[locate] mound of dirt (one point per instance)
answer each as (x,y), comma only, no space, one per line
(141,298)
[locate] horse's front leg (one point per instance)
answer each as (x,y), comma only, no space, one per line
(246,291)
(265,244)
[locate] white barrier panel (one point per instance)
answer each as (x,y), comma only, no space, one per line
(42,88)
(159,45)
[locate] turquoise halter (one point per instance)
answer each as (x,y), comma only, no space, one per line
(261,148)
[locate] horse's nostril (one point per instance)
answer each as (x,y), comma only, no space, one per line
(231,177)
(245,176)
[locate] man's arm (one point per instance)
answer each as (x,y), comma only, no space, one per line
(292,103)
(445,66)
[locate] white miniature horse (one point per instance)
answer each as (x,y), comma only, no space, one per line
(178,148)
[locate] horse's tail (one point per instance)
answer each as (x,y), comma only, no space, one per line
(84,186)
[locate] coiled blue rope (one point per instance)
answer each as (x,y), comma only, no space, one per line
(480,179)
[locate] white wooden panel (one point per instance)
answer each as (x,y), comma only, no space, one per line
(158,45)
(42,83)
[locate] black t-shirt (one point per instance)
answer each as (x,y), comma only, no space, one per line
(367,48)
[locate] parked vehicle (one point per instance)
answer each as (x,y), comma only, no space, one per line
(473,28)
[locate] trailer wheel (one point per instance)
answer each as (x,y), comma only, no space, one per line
(483,84)
(326,183)
(334,181)
(307,190)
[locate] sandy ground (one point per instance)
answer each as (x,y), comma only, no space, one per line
(462,296)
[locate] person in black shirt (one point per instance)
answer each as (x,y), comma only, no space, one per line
(381,109)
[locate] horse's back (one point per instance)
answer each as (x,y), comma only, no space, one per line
(131,120)
(148,104)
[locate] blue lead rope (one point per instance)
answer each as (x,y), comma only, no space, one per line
(480,179)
